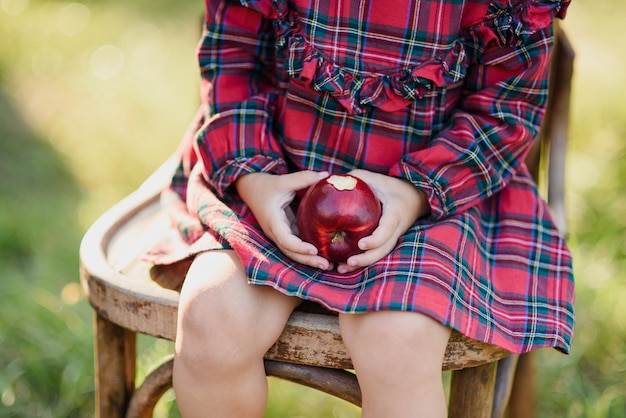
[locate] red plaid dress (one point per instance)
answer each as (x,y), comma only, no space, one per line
(448,94)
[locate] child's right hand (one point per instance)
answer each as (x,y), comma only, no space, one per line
(403,204)
(268,196)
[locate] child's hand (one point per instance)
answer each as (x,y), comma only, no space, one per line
(402,204)
(268,196)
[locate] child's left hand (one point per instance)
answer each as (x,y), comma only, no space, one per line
(403,203)
(268,196)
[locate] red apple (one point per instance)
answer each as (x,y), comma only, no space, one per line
(336,213)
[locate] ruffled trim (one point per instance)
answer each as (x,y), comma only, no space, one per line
(511,22)
(358,93)
(514,21)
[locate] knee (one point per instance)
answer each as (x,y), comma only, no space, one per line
(211,335)
(220,314)
(214,329)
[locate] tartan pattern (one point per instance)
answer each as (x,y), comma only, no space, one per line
(447,94)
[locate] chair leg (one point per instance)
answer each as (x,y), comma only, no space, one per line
(115,350)
(471,391)
(151,390)
(523,402)
(504,384)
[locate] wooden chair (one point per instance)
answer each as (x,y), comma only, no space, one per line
(130,297)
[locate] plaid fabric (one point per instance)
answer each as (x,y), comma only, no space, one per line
(447,94)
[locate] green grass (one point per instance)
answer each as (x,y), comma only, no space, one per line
(93,96)
(45,331)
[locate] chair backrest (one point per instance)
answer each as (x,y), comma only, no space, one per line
(546,158)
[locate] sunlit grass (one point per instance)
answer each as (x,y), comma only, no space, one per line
(95,95)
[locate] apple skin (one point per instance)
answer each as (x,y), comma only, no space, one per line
(335,213)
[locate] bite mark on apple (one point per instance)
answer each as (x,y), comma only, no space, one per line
(342,182)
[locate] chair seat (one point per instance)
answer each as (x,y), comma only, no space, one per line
(125,293)
(120,287)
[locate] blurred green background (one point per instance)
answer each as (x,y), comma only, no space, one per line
(94,95)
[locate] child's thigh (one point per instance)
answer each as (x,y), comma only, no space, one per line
(393,335)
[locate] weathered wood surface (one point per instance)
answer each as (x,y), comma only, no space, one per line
(148,394)
(114,368)
(472,390)
(524,403)
(555,127)
(340,383)
(506,373)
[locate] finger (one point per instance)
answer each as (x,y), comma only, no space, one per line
(289,243)
(387,227)
(345,268)
(366,258)
(371,179)
(303,252)
(294,247)
(302,179)
(311,261)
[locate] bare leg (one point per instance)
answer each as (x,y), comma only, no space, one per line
(397,357)
(225,326)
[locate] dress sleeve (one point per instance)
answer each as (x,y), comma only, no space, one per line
(239,88)
(500,111)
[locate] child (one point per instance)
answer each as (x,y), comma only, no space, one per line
(434,104)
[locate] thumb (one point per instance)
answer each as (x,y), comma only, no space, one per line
(303,179)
